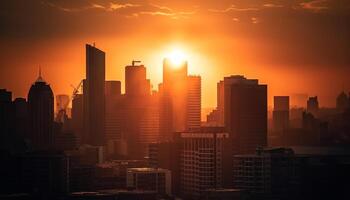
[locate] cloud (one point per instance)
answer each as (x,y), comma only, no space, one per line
(271,5)
(129,10)
(108,7)
(234,8)
(315,5)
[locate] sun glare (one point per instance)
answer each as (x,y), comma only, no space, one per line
(176,57)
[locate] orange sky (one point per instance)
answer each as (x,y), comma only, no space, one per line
(290,47)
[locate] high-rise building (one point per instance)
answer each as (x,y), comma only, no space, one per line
(280,113)
(205,161)
(193,102)
(21,117)
(136,83)
(173,98)
(150,179)
(5,111)
(342,102)
(245,117)
(41,114)
(113,119)
(94,97)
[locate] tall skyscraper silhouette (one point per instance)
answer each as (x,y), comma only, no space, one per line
(280,113)
(193,118)
(312,106)
(136,83)
(173,93)
(245,113)
(41,114)
(94,97)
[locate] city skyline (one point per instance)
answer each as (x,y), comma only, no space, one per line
(246,42)
(165,100)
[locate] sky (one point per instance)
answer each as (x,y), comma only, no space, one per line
(293,46)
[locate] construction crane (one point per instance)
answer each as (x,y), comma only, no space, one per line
(135,61)
(76,89)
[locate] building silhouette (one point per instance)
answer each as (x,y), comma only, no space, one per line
(41,114)
(173,92)
(193,119)
(62,102)
(245,106)
(342,102)
(280,113)
(94,97)
(136,83)
(113,123)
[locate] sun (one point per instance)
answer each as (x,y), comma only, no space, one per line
(176,57)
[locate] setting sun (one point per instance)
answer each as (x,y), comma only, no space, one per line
(177,57)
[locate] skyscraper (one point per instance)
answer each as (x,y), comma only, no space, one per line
(193,119)
(136,83)
(114,117)
(245,113)
(94,97)
(280,113)
(41,114)
(173,98)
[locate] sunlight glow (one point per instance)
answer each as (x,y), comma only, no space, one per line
(177,57)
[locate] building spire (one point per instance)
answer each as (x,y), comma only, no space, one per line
(40,78)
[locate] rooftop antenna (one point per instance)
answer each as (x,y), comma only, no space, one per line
(39,71)
(93,44)
(135,61)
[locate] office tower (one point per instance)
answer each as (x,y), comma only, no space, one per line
(113,116)
(62,102)
(150,179)
(205,161)
(78,117)
(149,124)
(5,111)
(41,114)
(45,173)
(342,102)
(220,99)
(268,173)
(280,113)
(312,106)
(173,98)
(94,97)
(193,102)
(245,113)
(136,83)
(21,117)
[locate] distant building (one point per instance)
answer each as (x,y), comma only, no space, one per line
(136,83)
(173,99)
(245,106)
(342,102)
(150,179)
(193,102)
(78,117)
(281,113)
(113,120)
(94,97)
(41,114)
(312,106)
